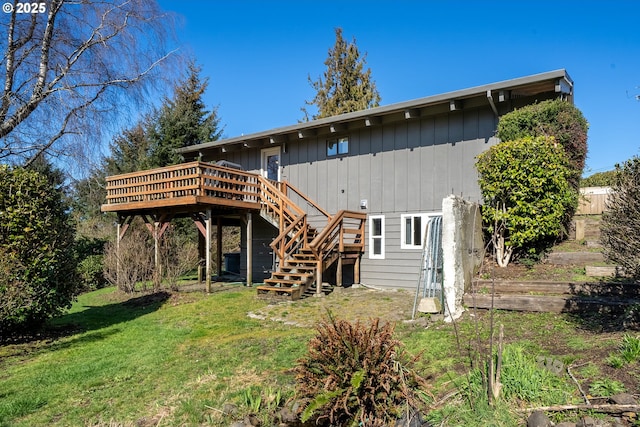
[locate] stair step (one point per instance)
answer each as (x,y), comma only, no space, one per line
(266,290)
(289,282)
(303,258)
(284,275)
(301,261)
(574,258)
(298,268)
(545,303)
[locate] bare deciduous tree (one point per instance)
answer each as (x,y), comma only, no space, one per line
(179,255)
(71,67)
(130,265)
(620,226)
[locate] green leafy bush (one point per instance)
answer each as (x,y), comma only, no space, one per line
(606,387)
(600,179)
(527,194)
(523,379)
(620,225)
(91,274)
(628,352)
(557,118)
(356,374)
(37,268)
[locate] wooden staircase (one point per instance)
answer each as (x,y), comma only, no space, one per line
(304,253)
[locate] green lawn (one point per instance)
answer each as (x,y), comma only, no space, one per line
(169,359)
(177,359)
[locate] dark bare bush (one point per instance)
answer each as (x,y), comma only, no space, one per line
(132,264)
(357,374)
(620,226)
(178,256)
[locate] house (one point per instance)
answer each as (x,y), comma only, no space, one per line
(373,177)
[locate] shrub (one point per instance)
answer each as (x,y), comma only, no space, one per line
(606,387)
(179,255)
(91,272)
(133,263)
(600,179)
(37,268)
(356,374)
(557,118)
(527,195)
(620,225)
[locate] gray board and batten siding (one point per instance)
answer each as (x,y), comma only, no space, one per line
(403,161)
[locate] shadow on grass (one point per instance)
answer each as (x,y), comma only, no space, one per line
(93,318)
(610,305)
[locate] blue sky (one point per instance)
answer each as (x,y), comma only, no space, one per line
(258,54)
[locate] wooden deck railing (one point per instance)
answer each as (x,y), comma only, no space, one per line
(187,180)
(346,229)
(292,219)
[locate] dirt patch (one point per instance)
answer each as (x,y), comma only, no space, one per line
(539,271)
(354,303)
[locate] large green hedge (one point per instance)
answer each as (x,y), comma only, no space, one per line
(37,267)
(526,192)
(557,118)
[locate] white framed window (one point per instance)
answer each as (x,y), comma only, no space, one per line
(376,237)
(337,147)
(412,229)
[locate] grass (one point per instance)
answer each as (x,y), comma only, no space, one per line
(133,361)
(178,359)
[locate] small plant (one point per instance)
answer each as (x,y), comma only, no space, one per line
(628,352)
(356,374)
(606,388)
(252,399)
(615,361)
(630,348)
(524,379)
(259,400)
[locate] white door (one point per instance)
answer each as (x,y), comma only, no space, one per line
(270,164)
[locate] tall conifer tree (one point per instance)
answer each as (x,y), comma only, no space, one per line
(183,121)
(345,86)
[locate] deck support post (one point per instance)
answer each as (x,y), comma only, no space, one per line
(157,274)
(121,229)
(118,266)
(219,245)
(356,271)
(319,277)
(201,256)
(207,239)
(249,249)
(339,271)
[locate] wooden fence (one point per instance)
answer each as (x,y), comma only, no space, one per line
(593,200)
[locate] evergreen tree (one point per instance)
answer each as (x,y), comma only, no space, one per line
(183,121)
(37,266)
(130,150)
(346,86)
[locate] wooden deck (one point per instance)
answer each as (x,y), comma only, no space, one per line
(184,185)
(203,191)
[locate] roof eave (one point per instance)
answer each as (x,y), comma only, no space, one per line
(565,83)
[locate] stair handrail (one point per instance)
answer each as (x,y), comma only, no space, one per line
(294,228)
(290,238)
(333,234)
(306,198)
